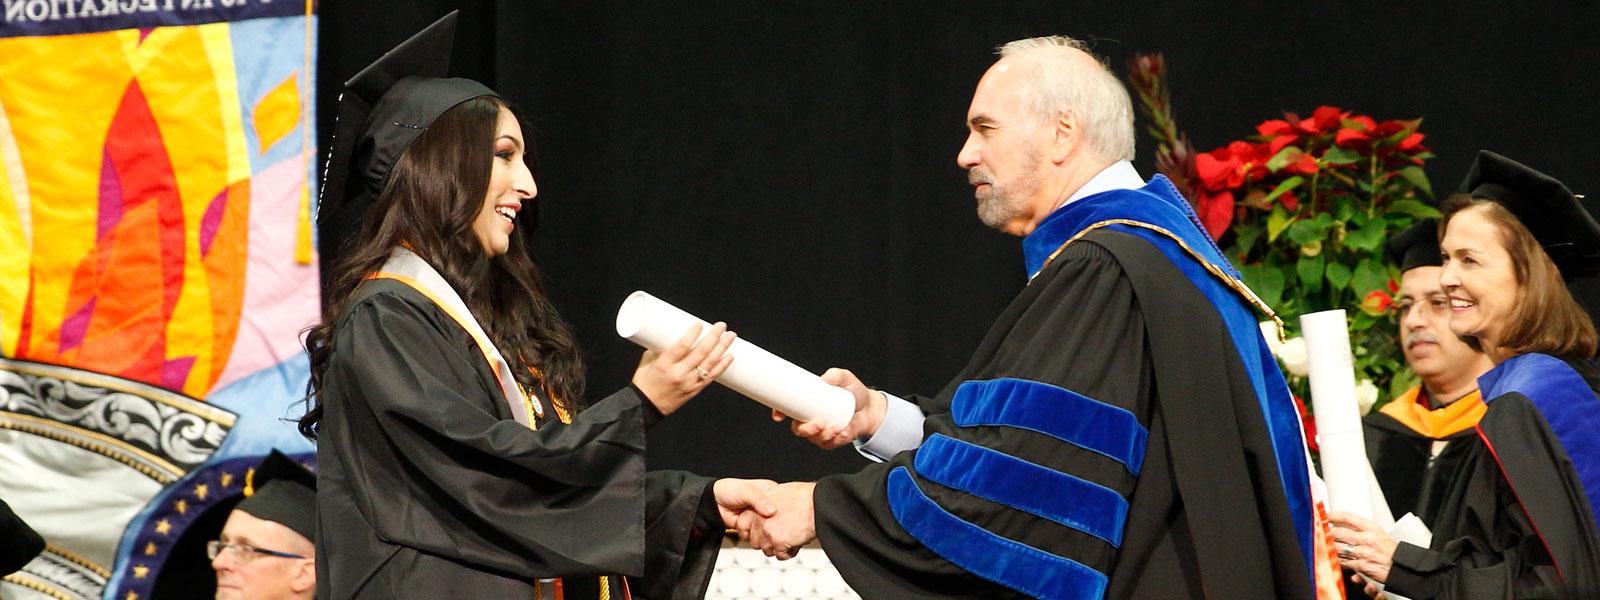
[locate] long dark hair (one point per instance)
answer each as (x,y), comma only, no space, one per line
(429,203)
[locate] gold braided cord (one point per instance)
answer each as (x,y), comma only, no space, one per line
(36,585)
(1232,282)
(77,559)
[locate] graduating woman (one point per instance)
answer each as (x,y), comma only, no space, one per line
(1518,517)
(453,460)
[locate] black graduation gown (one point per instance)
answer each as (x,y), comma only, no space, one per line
(1114,322)
(427,488)
(1410,476)
(1515,521)
(19,543)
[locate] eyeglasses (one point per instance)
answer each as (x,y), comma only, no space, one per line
(245,554)
(1433,306)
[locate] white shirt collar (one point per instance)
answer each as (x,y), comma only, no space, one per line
(1119,176)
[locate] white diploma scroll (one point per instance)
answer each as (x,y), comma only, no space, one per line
(763,376)
(1352,487)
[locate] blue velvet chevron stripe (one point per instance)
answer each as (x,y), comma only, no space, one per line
(1083,505)
(982,553)
(1568,405)
(1159,204)
(1055,411)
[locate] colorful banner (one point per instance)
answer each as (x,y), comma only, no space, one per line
(155,224)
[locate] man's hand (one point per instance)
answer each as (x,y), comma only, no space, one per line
(736,496)
(1363,547)
(792,525)
(870,406)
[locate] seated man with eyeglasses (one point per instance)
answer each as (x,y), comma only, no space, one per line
(266,552)
(1417,442)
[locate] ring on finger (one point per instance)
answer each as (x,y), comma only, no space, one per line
(702,372)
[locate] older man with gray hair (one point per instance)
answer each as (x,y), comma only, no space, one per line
(1121,432)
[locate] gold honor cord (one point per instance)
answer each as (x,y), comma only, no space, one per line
(1232,282)
(22,579)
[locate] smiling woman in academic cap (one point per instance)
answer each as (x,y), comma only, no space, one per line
(454,462)
(1518,519)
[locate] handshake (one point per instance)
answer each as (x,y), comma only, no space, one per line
(780,518)
(776,518)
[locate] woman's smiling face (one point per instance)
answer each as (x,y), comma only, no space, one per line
(1478,277)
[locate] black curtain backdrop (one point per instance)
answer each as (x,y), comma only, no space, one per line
(790,167)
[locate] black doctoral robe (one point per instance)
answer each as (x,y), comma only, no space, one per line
(1104,441)
(1515,520)
(1403,460)
(429,489)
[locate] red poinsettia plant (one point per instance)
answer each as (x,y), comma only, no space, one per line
(1302,208)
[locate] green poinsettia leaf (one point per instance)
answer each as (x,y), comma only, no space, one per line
(1343,208)
(1277,221)
(1338,275)
(1266,281)
(1418,178)
(1288,184)
(1366,238)
(1370,275)
(1361,321)
(1340,156)
(1306,231)
(1244,240)
(1310,271)
(1282,159)
(1415,208)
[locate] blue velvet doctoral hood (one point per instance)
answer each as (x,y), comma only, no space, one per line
(1565,401)
(1158,214)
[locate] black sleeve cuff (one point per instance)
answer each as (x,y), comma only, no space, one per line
(1411,571)
(647,409)
(707,519)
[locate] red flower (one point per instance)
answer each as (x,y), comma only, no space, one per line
(1215,212)
(1307,422)
(1394,288)
(1218,170)
(1355,139)
(1359,131)
(1229,167)
(1412,143)
(1289,201)
(1322,120)
(1275,127)
(1278,143)
(1305,165)
(1376,302)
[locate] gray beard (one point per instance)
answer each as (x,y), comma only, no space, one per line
(1001,204)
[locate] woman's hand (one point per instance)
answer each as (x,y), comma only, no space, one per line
(677,373)
(1363,547)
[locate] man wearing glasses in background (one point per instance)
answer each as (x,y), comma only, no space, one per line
(265,552)
(1416,442)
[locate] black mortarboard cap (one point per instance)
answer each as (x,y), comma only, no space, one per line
(1416,246)
(381,111)
(282,491)
(1545,206)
